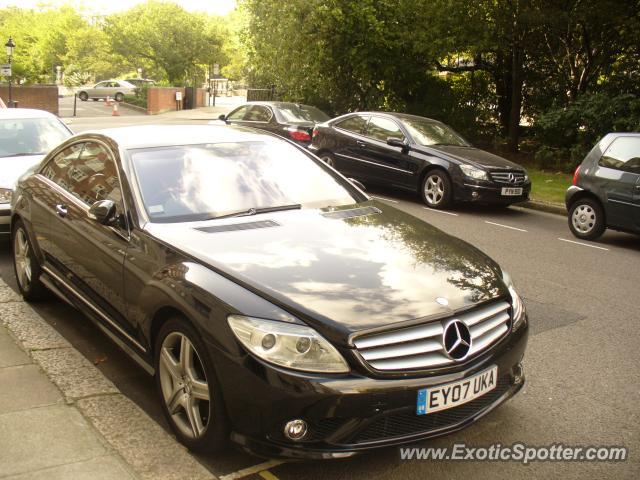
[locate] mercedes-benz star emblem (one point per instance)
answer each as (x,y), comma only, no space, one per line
(457,340)
(512,178)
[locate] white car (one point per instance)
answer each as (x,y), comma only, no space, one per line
(26,136)
(115,89)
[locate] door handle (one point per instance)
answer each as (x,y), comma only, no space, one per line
(61,210)
(637,187)
(361,144)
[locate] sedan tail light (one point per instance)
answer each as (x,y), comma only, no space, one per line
(575,175)
(299,135)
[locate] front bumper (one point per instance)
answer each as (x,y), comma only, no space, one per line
(5,218)
(352,413)
(489,192)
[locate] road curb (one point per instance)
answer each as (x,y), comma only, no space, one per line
(555,208)
(147,449)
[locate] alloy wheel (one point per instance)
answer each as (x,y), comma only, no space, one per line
(184,385)
(22,258)
(327,159)
(584,218)
(434,189)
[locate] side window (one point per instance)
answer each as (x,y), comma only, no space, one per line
(623,154)
(95,177)
(258,113)
(353,124)
(101,85)
(238,115)
(57,169)
(380,128)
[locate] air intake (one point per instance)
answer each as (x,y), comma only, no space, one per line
(234,227)
(353,212)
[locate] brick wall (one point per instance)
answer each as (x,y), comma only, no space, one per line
(42,97)
(162,99)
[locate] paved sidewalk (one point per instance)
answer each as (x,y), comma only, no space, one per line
(60,418)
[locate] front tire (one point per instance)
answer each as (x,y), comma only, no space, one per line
(25,265)
(436,189)
(188,388)
(586,219)
(119,97)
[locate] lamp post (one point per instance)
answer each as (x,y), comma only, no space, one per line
(10,46)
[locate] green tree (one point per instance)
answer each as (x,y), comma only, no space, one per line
(165,36)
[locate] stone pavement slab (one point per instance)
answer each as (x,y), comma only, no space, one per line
(10,354)
(24,387)
(45,437)
(100,468)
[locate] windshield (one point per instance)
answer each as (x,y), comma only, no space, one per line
(302,113)
(198,182)
(30,136)
(427,133)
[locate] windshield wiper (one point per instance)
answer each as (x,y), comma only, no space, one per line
(254,211)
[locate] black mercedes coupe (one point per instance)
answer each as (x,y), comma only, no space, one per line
(276,304)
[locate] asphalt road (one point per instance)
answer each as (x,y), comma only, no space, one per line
(582,364)
(92,108)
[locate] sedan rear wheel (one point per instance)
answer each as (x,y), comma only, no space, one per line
(83,96)
(188,388)
(328,159)
(436,189)
(586,219)
(119,97)
(26,266)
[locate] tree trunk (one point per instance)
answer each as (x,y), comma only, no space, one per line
(516,99)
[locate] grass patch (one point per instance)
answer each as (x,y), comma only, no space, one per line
(548,186)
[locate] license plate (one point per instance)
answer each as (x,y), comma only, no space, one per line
(442,397)
(511,191)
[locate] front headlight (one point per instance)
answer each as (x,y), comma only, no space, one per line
(5,195)
(473,172)
(287,344)
(517,306)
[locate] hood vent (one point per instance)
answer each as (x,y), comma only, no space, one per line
(351,213)
(233,227)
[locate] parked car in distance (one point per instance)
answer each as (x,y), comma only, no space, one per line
(140,82)
(26,136)
(418,154)
(115,89)
(294,121)
(277,305)
(606,188)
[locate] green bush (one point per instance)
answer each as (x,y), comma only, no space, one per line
(567,134)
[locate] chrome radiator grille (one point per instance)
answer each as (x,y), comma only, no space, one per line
(421,347)
(505,177)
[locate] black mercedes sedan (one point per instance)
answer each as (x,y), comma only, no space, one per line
(293,121)
(276,304)
(418,154)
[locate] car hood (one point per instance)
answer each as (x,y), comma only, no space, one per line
(477,157)
(345,275)
(12,168)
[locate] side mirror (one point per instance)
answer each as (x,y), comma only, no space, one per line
(396,142)
(357,184)
(223,117)
(103,211)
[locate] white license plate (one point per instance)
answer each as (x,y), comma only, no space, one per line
(442,397)
(511,191)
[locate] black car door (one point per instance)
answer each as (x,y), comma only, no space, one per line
(85,255)
(346,135)
(381,162)
(618,174)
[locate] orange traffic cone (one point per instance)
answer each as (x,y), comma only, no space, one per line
(107,102)
(115,112)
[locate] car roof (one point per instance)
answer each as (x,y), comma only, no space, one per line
(11,113)
(149,136)
(397,115)
(278,104)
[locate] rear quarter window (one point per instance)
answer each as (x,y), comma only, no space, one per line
(623,154)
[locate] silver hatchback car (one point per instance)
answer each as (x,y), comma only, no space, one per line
(115,89)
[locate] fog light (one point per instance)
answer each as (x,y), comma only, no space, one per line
(474,194)
(518,373)
(295,429)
